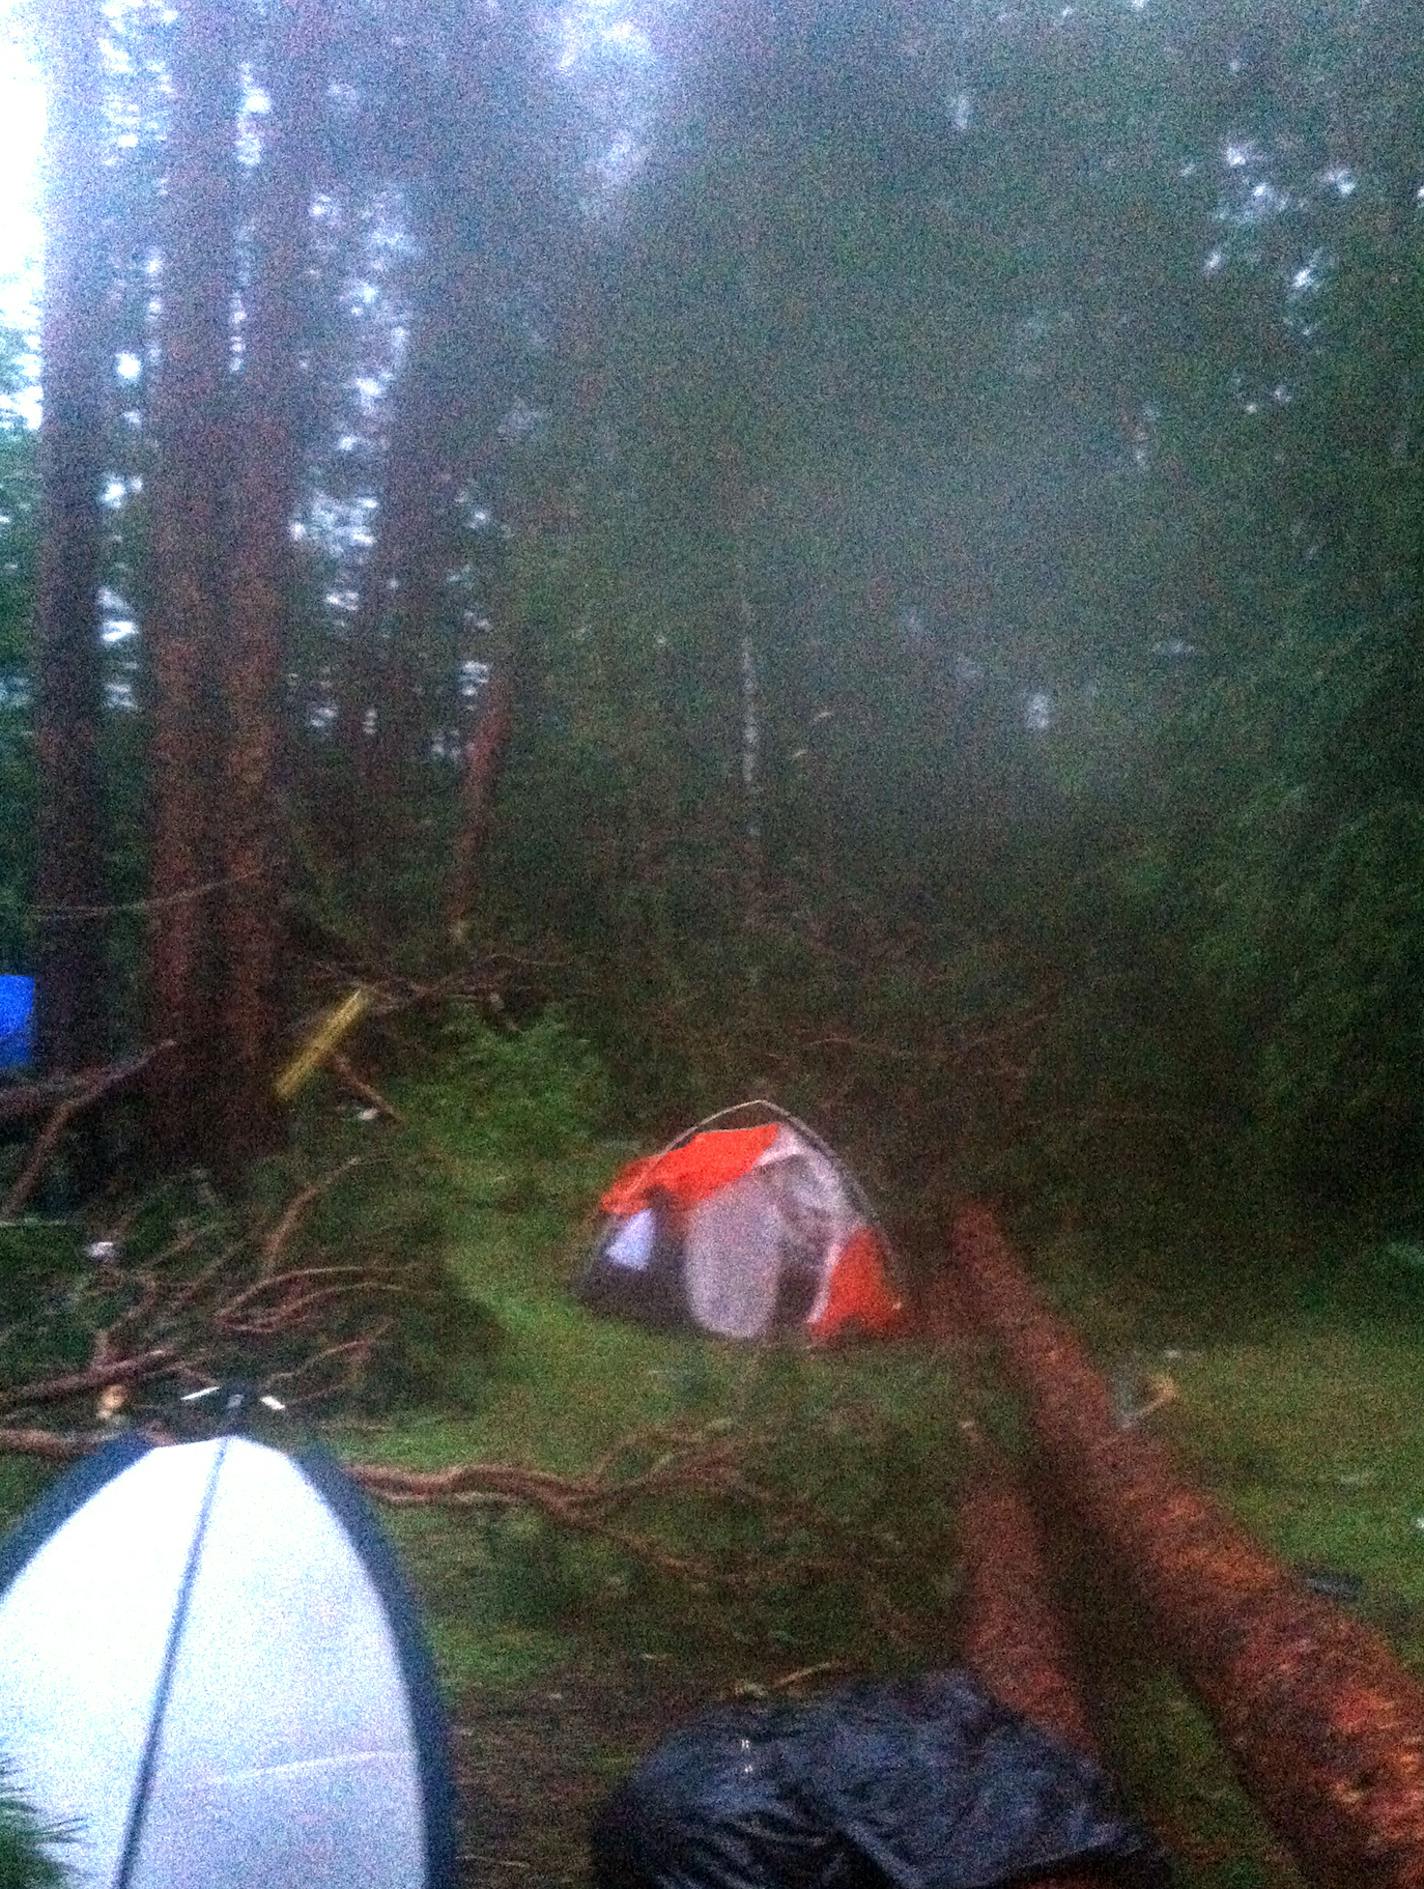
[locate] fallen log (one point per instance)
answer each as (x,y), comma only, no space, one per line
(1013,1633)
(1324,1726)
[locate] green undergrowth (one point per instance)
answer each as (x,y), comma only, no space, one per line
(867,1439)
(31,1853)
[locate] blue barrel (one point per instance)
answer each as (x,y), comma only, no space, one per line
(17,1021)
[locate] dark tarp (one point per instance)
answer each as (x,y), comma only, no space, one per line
(926,1783)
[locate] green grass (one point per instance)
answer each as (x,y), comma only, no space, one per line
(872,1433)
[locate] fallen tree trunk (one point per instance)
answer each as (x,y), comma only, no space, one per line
(1013,1634)
(1323,1724)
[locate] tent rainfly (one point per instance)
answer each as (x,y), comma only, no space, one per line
(211,1672)
(749,1231)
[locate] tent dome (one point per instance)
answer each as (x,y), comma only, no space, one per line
(210,1670)
(749,1227)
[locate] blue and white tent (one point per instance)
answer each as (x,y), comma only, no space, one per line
(211,1670)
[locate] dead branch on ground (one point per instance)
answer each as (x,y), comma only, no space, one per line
(71,1096)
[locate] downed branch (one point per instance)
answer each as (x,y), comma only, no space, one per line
(1321,1721)
(363,1090)
(52,1446)
(101,1376)
(700,1465)
(70,1096)
(33,1098)
(297,1206)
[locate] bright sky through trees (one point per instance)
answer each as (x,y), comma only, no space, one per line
(21,138)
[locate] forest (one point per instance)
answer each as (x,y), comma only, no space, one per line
(567,564)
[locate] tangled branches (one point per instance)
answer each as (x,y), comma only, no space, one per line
(210,1302)
(655,1474)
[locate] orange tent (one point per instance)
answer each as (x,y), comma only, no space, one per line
(751,1232)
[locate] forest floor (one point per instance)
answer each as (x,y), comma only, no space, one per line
(564,1660)
(1297,1409)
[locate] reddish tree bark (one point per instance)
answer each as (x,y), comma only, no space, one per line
(1323,1724)
(255,641)
(73,990)
(484,758)
(191,424)
(1014,1635)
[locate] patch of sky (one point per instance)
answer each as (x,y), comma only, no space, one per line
(1311,273)
(256,104)
(369,389)
(522,420)
(116,618)
(22,126)
(1341,179)
(621,159)
(591,28)
(339,526)
(1263,200)
(1038,711)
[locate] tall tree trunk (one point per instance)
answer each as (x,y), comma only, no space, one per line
(254,643)
(749,669)
(484,758)
(192,428)
(69,704)
(444,429)
(379,718)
